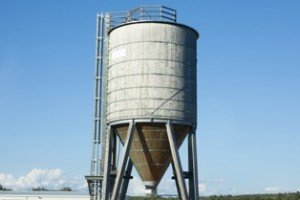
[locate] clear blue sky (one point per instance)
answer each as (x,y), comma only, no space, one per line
(248,88)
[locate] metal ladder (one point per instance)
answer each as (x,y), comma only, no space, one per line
(95,178)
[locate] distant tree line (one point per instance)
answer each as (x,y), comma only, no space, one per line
(152,198)
(280,196)
(2,188)
(64,189)
(39,189)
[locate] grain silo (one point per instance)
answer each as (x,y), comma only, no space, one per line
(145,97)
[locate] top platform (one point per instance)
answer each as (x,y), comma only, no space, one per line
(141,13)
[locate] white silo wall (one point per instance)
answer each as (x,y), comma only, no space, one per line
(152,72)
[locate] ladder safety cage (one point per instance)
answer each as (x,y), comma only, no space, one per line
(95,178)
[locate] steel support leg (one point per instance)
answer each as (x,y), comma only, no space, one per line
(124,158)
(107,166)
(176,181)
(126,179)
(176,161)
(114,150)
(191,168)
(194,166)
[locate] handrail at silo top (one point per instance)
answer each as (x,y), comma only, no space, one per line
(141,13)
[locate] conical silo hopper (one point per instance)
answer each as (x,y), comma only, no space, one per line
(150,150)
(151,79)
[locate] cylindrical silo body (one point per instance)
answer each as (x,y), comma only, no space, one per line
(151,77)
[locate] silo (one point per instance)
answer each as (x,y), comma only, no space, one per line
(151,78)
(145,97)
